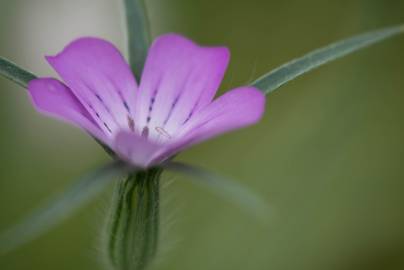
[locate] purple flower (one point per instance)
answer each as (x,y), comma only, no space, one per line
(169,111)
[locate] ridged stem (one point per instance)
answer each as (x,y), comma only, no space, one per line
(133,228)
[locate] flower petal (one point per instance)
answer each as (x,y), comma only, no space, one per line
(135,149)
(235,109)
(179,79)
(100,78)
(54,99)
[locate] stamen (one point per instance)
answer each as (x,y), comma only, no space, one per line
(163,132)
(131,123)
(145,132)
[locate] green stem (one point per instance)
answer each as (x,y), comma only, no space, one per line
(134,226)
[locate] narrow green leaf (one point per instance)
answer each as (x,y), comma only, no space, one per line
(138,34)
(14,73)
(227,188)
(61,207)
(289,71)
(133,225)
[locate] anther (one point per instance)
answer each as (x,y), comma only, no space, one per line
(163,132)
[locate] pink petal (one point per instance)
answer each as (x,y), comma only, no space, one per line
(179,79)
(100,78)
(135,149)
(54,99)
(235,109)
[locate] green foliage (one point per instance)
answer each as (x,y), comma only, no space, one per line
(14,73)
(138,34)
(59,208)
(226,188)
(293,69)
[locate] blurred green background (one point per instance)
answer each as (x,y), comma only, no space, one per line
(328,155)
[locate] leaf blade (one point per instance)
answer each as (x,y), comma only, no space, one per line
(138,34)
(15,73)
(299,66)
(225,187)
(56,210)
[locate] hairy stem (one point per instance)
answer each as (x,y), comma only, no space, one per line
(133,228)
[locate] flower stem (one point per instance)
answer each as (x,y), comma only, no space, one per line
(133,228)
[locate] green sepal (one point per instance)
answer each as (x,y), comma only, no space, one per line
(15,73)
(133,225)
(59,208)
(138,34)
(299,66)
